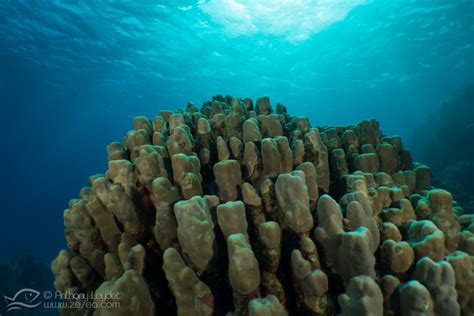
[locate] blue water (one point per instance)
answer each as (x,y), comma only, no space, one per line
(73,74)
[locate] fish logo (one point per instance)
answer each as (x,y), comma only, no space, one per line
(25,298)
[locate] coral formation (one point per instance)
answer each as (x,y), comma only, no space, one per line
(242,210)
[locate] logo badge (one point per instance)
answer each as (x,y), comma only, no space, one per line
(24,298)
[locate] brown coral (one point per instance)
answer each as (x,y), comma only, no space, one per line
(231,209)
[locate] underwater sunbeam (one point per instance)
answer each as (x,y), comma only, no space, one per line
(293,20)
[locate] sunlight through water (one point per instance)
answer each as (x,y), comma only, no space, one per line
(293,20)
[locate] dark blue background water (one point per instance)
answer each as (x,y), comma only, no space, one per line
(73,74)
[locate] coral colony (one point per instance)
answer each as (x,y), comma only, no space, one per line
(246,210)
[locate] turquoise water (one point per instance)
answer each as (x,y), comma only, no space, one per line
(74,73)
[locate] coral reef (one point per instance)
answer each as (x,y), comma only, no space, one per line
(26,271)
(443,141)
(232,209)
